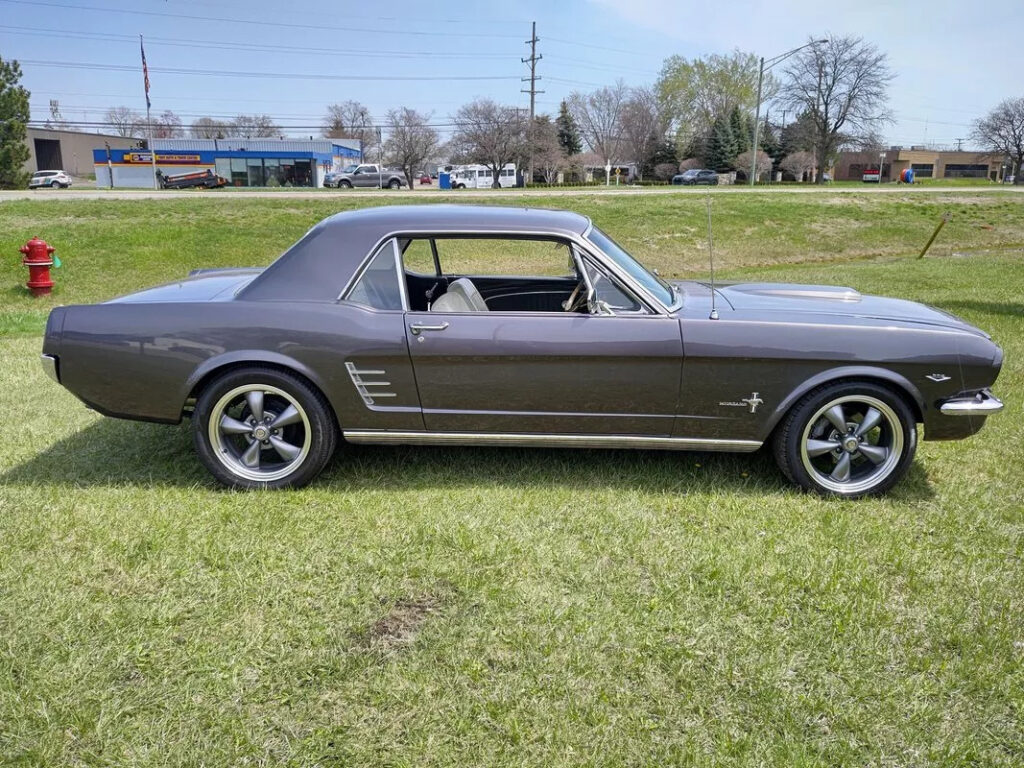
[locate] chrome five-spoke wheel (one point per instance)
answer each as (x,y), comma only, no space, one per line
(263,428)
(847,439)
(851,444)
(259,432)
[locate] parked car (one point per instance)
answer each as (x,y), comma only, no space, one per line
(695,176)
(54,179)
(371,329)
(425,179)
(365,175)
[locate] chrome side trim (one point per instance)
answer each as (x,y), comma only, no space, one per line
(531,440)
(49,363)
(361,384)
(982,404)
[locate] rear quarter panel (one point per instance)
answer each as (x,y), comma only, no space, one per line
(142,361)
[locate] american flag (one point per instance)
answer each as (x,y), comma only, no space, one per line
(145,71)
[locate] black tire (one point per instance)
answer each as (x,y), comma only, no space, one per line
(344,184)
(808,443)
(223,451)
(54,185)
(394,184)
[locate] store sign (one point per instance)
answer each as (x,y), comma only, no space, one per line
(145,158)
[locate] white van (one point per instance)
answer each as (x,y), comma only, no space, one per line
(480,177)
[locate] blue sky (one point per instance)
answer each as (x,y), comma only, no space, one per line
(954,60)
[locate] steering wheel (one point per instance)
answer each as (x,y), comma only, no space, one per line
(577,299)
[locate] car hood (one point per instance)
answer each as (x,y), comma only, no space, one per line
(789,298)
(200,285)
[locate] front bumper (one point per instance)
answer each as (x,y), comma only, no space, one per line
(984,403)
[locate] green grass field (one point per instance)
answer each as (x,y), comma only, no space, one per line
(450,607)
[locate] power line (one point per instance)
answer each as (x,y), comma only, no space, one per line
(278,24)
(269,75)
(233,46)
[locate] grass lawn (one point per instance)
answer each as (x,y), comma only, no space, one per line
(422,607)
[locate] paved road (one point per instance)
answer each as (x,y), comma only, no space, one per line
(465,194)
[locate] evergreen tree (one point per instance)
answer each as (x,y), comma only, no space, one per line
(741,128)
(720,147)
(14,115)
(568,131)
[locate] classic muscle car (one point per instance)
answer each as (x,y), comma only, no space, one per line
(392,325)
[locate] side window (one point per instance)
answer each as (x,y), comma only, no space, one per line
(378,286)
(492,256)
(418,257)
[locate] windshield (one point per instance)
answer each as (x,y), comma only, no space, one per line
(651,282)
(349,169)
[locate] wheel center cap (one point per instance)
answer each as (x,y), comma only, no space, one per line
(851,444)
(261,433)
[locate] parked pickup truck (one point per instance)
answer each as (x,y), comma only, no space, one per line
(366,175)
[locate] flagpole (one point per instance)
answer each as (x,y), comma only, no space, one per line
(149,119)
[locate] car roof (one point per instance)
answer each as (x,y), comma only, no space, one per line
(321,264)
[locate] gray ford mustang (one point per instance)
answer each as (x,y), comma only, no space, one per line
(387,325)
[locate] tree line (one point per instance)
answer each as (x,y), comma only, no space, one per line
(698,113)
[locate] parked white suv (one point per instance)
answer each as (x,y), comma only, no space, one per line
(53,179)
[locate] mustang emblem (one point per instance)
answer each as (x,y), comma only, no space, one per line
(747,402)
(937,377)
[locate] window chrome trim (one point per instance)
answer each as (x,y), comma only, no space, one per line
(358,275)
(523,234)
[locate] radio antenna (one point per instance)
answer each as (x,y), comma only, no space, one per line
(711,261)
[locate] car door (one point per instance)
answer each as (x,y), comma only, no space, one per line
(546,372)
(366,176)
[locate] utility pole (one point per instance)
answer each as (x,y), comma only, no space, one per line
(533,78)
(959,145)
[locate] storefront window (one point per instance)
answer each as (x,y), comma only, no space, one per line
(239,176)
(303,173)
(255,166)
(272,170)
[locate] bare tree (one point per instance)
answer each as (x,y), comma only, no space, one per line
(167,125)
(1002,131)
(548,154)
(125,121)
(642,126)
(598,116)
(489,134)
(841,86)
(253,126)
(350,120)
(411,141)
(207,128)
(798,163)
(744,160)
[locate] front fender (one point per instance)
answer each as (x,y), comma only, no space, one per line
(871,372)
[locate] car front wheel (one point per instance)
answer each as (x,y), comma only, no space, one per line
(344,184)
(258,427)
(847,439)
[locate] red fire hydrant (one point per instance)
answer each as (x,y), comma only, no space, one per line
(38,259)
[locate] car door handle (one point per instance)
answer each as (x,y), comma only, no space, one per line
(418,328)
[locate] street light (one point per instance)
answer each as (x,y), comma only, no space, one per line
(757,111)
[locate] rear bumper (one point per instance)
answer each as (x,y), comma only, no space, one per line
(49,363)
(984,403)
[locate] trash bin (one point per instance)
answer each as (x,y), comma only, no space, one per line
(444,180)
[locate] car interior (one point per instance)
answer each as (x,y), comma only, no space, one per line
(433,286)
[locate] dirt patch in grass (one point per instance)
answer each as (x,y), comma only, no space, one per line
(401,624)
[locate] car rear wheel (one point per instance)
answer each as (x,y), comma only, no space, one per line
(259,427)
(848,439)
(394,184)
